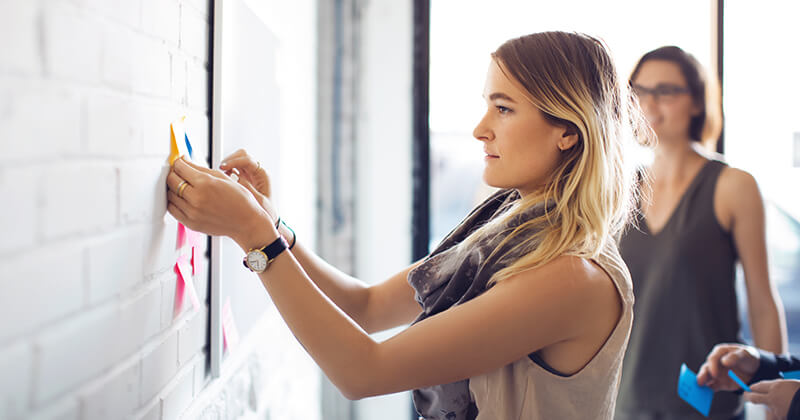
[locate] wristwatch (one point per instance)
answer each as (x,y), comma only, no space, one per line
(257,260)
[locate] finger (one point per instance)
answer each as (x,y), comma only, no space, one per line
(191,172)
(763,386)
(177,213)
(237,154)
(756,398)
(243,163)
(174,181)
(704,375)
(179,202)
(732,359)
(175,188)
(712,363)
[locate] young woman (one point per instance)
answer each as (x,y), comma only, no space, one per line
(524,310)
(699,218)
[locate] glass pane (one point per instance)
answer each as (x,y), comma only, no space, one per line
(762,130)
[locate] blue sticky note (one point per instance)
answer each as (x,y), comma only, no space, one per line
(697,396)
(188,145)
(792,374)
(738,381)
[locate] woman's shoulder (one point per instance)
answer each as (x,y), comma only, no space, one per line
(736,196)
(736,184)
(574,275)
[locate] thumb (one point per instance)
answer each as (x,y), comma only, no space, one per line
(193,165)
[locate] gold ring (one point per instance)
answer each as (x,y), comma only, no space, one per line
(181,187)
(258,165)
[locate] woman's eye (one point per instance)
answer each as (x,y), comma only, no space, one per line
(502,109)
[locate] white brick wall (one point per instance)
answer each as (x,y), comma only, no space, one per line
(90,325)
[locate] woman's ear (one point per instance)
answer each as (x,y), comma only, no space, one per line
(696,110)
(568,139)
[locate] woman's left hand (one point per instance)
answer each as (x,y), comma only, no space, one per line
(776,395)
(212,203)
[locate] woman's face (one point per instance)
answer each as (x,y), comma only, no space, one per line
(665,99)
(522,147)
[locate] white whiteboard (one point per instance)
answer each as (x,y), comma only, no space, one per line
(245,115)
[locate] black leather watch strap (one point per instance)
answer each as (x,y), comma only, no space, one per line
(275,248)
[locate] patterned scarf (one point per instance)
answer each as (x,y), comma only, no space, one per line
(449,277)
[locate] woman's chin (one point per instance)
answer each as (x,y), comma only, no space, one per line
(493,182)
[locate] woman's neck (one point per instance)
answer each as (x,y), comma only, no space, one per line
(673,159)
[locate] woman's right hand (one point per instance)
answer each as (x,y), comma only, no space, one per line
(743,360)
(252,176)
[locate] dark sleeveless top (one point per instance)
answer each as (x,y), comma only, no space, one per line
(683,282)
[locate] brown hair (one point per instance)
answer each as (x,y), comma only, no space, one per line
(707,126)
(571,79)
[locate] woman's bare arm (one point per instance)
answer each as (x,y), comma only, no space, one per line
(742,211)
(376,307)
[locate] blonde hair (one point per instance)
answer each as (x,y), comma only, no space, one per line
(572,80)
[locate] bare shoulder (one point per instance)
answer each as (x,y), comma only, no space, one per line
(734,188)
(574,279)
(583,272)
(736,181)
(736,196)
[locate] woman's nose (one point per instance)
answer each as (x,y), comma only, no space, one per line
(481,131)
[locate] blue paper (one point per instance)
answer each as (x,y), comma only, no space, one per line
(792,374)
(738,381)
(697,396)
(188,145)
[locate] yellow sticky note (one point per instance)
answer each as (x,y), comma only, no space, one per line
(177,140)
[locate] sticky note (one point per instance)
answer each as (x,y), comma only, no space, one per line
(230,334)
(188,284)
(697,396)
(177,148)
(188,242)
(188,145)
(738,381)
(792,374)
(188,237)
(181,235)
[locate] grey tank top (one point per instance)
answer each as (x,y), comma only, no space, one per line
(684,283)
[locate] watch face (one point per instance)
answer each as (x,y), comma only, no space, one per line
(257,261)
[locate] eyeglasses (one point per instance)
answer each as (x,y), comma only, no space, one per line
(665,92)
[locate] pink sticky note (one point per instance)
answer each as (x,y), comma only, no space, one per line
(230,334)
(180,291)
(186,278)
(181,235)
(194,239)
(185,254)
(188,243)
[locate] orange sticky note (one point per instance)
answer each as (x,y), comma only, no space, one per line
(230,334)
(177,140)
